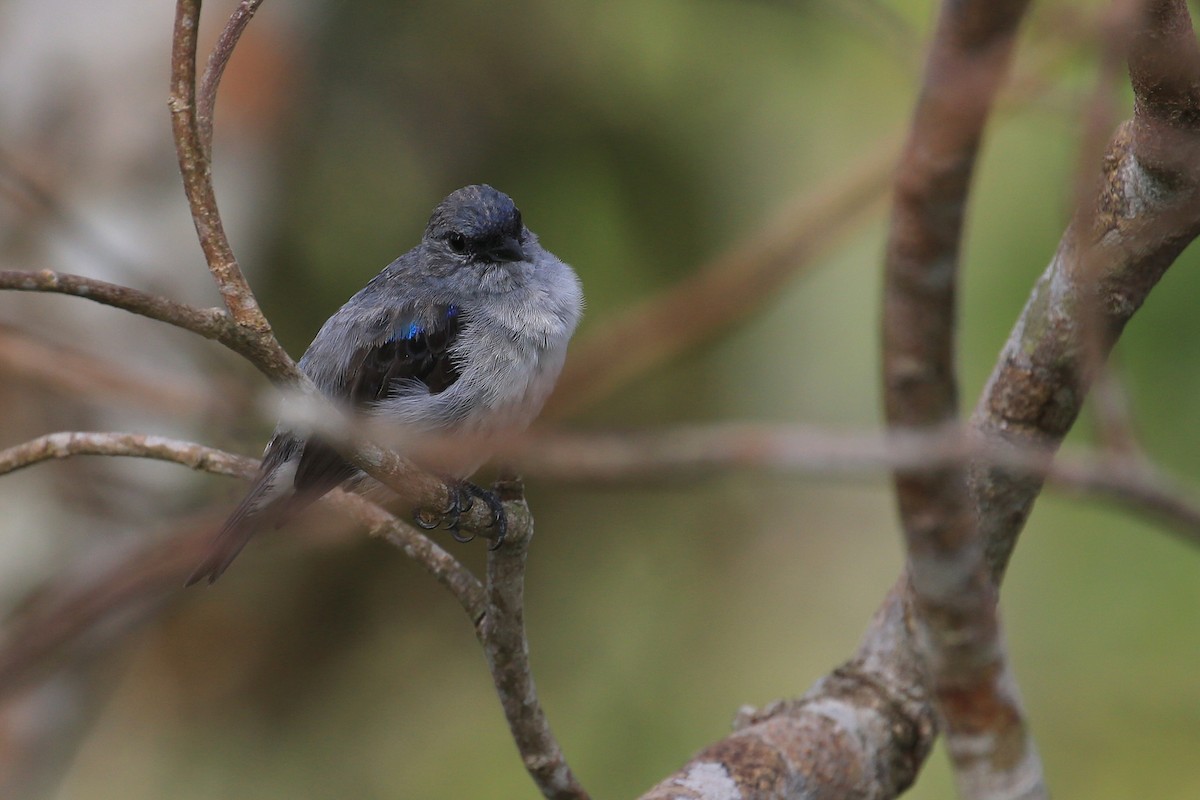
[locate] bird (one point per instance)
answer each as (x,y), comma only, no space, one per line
(466,333)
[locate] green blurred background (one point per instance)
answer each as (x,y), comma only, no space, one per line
(641,139)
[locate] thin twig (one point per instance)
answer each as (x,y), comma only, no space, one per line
(196,170)
(211,323)
(214,68)
(77,443)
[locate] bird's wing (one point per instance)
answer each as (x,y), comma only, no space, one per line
(399,352)
(400,355)
(406,353)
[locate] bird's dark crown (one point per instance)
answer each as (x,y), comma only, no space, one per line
(480,214)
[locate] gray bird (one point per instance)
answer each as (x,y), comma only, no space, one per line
(464,334)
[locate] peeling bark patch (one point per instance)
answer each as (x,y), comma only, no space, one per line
(1020,398)
(1033,398)
(758,768)
(710,780)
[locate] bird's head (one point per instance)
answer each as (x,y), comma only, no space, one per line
(477,224)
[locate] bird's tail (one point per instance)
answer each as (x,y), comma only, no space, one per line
(260,508)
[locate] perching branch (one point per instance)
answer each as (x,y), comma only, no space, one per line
(497,614)
(501,631)
(433,559)
(15,656)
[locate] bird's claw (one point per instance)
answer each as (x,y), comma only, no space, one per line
(462,496)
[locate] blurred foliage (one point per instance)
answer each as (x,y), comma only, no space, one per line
(640,138)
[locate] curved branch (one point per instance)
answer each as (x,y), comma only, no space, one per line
(211,323)
(870,745)
(1147,210)
(954,599)
(80,443)
(214,68)
(196,170)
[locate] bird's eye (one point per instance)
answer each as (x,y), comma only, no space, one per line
(457,242)
(519,223)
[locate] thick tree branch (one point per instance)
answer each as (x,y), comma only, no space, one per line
(957,631)
(1146,212)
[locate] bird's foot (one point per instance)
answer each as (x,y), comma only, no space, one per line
(462,495)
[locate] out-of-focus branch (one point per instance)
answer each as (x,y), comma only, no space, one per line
(214,68)
(957,630)
(91,378)
(501,631)
(724,291)
(694,452)
(735,284)
(196,169)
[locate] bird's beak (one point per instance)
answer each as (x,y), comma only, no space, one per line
(507,249)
